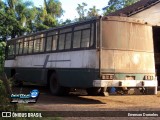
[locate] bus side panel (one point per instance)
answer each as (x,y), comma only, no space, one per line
(34,75)
(79,78)
(74,69)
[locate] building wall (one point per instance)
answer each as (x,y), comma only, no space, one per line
(151,15)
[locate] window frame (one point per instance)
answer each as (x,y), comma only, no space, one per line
(93,25)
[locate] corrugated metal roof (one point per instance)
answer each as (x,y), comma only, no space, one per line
(135,8)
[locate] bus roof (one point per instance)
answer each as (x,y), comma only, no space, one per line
(107,18)
(125,19)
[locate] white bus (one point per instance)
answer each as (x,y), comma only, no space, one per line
(96,54)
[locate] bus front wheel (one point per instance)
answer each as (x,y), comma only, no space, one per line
(55,87)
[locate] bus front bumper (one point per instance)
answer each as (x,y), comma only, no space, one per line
(125,83)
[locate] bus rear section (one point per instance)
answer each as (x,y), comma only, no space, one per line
(126,56)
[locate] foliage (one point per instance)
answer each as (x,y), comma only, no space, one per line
(86,13)
(14,17)
(4,99)
(19,18)
(67,21)
(114,5)
(2,55)
(47,15)
(92,12)
(81,10)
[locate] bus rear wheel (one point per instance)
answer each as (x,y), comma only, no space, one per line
(55,87)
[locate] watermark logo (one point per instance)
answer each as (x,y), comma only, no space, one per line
(21,114)
(34,93)
(32,97)
(6,114)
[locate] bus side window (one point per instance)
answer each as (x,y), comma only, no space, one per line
(92,35)
(36,45)
(10,50)
(68,40)
(61,41)
(48,45)
(42,44)
(25,50)
(77,39)
(30,49)
(85,38)
(20,47)
(54,42)
(17,47)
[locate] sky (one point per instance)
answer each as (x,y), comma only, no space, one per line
(69,6)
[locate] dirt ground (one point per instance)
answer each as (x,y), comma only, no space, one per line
(82,102)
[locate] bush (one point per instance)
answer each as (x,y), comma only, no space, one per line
(2,55)
(5,104)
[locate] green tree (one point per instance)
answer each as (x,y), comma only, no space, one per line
(67,21)
(114,5)
(18,17)
(2,56)
(82,11)
(48,15)
(93,12)
(15,16)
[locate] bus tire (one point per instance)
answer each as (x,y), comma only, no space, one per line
(94,91)
(149,91)
(55,87)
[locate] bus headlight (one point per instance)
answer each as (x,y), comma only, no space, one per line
(148,77)
(107,77)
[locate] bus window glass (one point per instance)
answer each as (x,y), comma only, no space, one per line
(68,41)
(77,39)
(54,43)
(20,47)
(85,38)
(36,45)
(17,47)
(30,48)
(25,50)
(61,41)
(92,35)
(48,45)
(11,50)
(42,44)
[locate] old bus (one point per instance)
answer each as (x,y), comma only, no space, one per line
(95,54)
